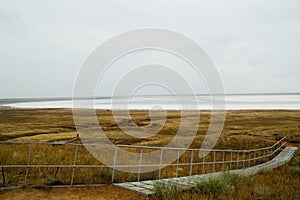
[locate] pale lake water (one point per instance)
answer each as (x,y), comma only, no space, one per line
(200,102)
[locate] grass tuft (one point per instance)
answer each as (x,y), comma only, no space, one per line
(222,184)
(262,191)
(295,161)
(166,191)
(297,171)
(266,171)
(106,175)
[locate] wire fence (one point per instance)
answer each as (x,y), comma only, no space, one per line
(71,164)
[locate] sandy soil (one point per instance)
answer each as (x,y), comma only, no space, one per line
(107,192)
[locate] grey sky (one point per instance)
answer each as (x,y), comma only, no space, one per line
(254,44)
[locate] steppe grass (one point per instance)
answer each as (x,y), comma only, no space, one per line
(223,184)
(166,190)
(242,130)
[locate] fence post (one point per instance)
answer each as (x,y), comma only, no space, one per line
(230,165)
(243,159)
(74,164)
(192,160)
(3,177)
(141,157)
(203,161)
(249,164)
(237,159)
(28,164)
(214,161)
(114,165)
(160,163)
(178,154)
(223,159)
(56,172)
(266,152)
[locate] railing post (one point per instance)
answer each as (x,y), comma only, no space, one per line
(28,164)
(192,160)
(160,163)
(140,163)
(3,177)
(223,159)
(74,164)
(249,163)
(56,172)
(177,163)
(114,165)
(230,164)
(237,159)
(265,155)
(214,161)
(243,159)
(203,161)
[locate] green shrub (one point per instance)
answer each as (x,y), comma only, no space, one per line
(166,190)
(219,185)
(212,187)
(297,171)
(248,180)
(228,178)
(106,175)
(295,161)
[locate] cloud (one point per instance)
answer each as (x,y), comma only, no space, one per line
(43,44)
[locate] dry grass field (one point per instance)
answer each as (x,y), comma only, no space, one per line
(243,129)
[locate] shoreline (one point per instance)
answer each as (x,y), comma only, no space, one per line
(227,102)
(167,110)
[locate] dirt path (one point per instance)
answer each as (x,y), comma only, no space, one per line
(106,192)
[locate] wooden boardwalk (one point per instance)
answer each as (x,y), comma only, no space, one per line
(147,187)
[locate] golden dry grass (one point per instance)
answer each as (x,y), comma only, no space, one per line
(242,130)
(58,124)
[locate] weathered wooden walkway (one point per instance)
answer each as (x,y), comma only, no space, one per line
(147,187)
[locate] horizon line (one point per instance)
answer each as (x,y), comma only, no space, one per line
(145,95)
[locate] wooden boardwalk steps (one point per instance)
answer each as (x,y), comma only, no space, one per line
(147,187)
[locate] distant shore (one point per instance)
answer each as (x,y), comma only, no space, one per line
(186,102)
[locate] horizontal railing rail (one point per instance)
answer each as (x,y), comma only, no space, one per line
(188,162)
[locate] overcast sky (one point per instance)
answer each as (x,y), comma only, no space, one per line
(254,44)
